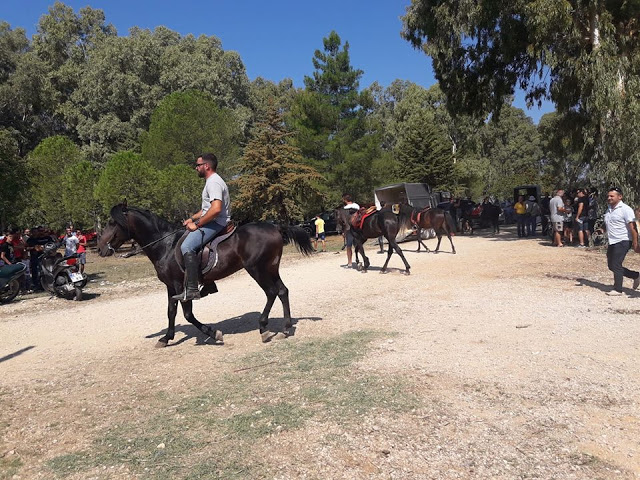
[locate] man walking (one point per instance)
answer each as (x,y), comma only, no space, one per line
(556,208)
(320,235)
(352,207)
(205,224)
(621,231)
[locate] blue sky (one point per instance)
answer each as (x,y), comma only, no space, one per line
(276,39)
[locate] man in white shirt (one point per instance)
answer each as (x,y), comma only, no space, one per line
(556,208)
(352,206)
(621,231)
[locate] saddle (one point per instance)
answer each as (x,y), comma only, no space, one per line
(417,216)
(360,216)
(209,253)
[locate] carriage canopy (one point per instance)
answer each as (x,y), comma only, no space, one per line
(417,195)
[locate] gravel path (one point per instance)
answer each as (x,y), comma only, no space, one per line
(531,371)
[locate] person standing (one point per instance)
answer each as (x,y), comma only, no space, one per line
(7,250)
(533,212)
(593,209)
(620,222)
(352,207)
(82,249)
(556,211)
(70,242)
(320,235)
(582,217)
(521,210)
(205,224)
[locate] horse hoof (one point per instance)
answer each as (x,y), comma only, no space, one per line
(266,336)
(359,267)
(280,336)
(407,272)
(161,343)
(218,336)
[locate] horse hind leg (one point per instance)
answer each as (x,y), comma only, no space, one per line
(272,287)
(398,250)
(439,240)
(187,310)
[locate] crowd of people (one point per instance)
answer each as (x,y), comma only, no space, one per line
(26,247)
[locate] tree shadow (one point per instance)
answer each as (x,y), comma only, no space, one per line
(240,324)
(16,353)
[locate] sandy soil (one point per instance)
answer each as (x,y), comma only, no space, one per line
(526,360)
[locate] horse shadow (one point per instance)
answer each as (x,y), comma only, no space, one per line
(16,353)
(590,283)
(241,324)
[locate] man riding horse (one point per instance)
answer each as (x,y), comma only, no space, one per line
(205,224)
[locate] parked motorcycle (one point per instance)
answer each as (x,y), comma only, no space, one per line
(10,280)
(57,276)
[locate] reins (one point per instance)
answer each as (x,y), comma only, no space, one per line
(140,249)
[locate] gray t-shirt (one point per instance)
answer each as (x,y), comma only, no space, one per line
(216,189)
(70,244)
(556,203)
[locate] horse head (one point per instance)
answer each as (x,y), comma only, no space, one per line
(116,232)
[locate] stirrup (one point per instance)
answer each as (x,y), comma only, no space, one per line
(187,296)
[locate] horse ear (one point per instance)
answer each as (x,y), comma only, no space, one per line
(124,205)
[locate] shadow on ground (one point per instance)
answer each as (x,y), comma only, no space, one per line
(240,324)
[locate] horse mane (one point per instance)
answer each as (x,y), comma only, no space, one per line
(118,213)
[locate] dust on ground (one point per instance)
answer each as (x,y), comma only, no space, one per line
(523,367)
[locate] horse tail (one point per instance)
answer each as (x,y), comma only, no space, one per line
(298,236)
(449,221)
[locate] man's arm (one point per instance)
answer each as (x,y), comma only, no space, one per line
(579,212)
(213,212)
(192,218)
(634,236)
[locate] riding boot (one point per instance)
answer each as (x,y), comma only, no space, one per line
(191,267)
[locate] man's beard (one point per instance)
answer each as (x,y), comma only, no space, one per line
(201,173)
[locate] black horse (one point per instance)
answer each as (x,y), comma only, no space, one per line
(256,247)
(381,223)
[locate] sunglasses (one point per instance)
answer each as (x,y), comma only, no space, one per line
(199,165)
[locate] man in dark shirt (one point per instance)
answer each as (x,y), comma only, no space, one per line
(38,239)
(582,219)
(7,250)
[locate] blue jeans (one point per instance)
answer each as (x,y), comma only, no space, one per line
(520,219)
(204,234)
(531,224)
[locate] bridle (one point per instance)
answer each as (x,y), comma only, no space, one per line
(139,249)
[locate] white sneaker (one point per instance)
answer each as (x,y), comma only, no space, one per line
(614,293)
(636,283)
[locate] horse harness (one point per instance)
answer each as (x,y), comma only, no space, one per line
(417,216)
(361,215)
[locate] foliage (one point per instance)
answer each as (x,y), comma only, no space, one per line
(13,180)
(273,181)
(186,124)
(331,127)
(78,183)
(126,175)
(176,192)
(48,164)
(423,153)
(584,56)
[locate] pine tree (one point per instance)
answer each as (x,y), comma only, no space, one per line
(273,181)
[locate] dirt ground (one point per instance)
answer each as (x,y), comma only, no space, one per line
(523,367)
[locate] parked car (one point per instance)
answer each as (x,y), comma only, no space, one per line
(330,224)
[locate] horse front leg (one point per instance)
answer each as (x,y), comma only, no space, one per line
(420,240)
(187,310)
(398,250)
(172,310)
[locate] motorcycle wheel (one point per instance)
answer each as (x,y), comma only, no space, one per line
(10,291)
(78,294)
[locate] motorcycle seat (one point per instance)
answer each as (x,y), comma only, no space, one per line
(7,271)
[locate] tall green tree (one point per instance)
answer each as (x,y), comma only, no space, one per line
(126,176)
(48,164)
(189,123)
(176,192)
(273,181)
(13,180)
(584,56)
(330,121)
(78,185)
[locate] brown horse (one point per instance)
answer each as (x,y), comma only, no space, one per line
(436,218)
(256,247)
(381,223)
